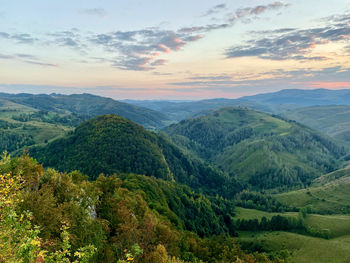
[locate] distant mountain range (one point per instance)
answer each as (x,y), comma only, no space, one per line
(303,98)
(268,102)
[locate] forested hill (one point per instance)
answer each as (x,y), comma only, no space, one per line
(89,106)
(263,150)
(112,144)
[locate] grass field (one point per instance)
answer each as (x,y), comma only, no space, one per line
(302,248)
(328,194)
(41,132)
(338,225)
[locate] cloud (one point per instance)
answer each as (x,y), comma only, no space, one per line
(159,62)
(24,38)
(68,38)
(19,38)
(94,12)
(288,43)
(27,58)
(157,73)
(4,35)
(257,10)
(231,18)
(139,50)
(300,78)
(2,56)
(215,9)
(217,77)
(40,63)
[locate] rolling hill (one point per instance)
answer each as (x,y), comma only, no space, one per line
(333,120)
(257,148)
(89,106)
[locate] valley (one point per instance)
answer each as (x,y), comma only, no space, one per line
(274,181)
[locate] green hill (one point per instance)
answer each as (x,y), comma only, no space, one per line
(90,106)
(331,120)
(112,144)
(107,144)
(263,150)
(22,126)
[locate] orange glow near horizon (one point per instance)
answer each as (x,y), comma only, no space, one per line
(330,85)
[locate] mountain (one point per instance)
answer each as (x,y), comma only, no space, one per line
(90,106)
(263,150)
(300,97)
(112,144)
(332,120)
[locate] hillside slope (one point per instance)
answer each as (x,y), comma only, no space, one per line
(262,150)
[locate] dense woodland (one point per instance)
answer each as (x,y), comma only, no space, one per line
(127,218)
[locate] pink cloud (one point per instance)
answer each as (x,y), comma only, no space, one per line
(164,48)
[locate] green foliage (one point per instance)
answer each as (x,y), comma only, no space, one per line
(186,209)
(70,120)
(10,141)
(260,201)
(276,223)
(19,239)
(195,173)
(132,219)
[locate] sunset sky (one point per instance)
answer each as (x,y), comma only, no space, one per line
(165,49)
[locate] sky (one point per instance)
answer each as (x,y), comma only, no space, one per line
(175,50)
